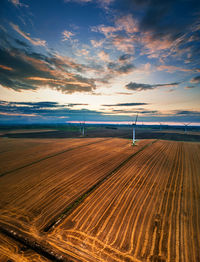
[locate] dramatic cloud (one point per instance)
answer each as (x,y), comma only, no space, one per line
(141,87)
(162,26)
(22,69)
(121,69)
(125,57)
(187,112)
(42,109)
(109,48)
(164,17)
(195,80)
(127,23)
(127,104)
(34,41)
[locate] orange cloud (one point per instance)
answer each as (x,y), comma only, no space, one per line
(97,43)
(171,69)
(6,67)
(123,43)
(104,56)
(155,44)
(35,41)
(127,23)
(67,35)
(16,114)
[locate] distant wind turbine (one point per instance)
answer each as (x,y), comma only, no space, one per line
(187,124)
(134,125)
(83,129)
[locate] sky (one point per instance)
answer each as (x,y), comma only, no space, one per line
(99,60)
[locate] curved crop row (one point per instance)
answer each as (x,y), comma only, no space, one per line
(32,197)
(10,250)
(148,211)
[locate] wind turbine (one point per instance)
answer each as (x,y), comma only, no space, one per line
(134,125)
(186,126)
(83,129)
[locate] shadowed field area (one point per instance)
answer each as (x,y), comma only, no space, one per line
(142,132)
(12,250)
(99,199)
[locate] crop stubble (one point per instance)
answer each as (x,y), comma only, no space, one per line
(148,211)
(19,153)
(11,250)
(32,196)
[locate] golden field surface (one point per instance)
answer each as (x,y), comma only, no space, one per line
(102,200)
(11,250)
(32,196)
(15,153)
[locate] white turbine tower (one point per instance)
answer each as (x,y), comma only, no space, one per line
(134,125)
(186,126)
(83,129)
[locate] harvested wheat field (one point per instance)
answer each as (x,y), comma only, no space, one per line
(148,211)
(41,191)
(11,250)
(16,153)
(104,200)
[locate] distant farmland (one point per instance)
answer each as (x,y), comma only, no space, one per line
(99,199)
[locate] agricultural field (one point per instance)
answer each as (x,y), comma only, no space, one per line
(42,190)
(142,132)
(11,250)
(148,211)
(17,153)
(100,199)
